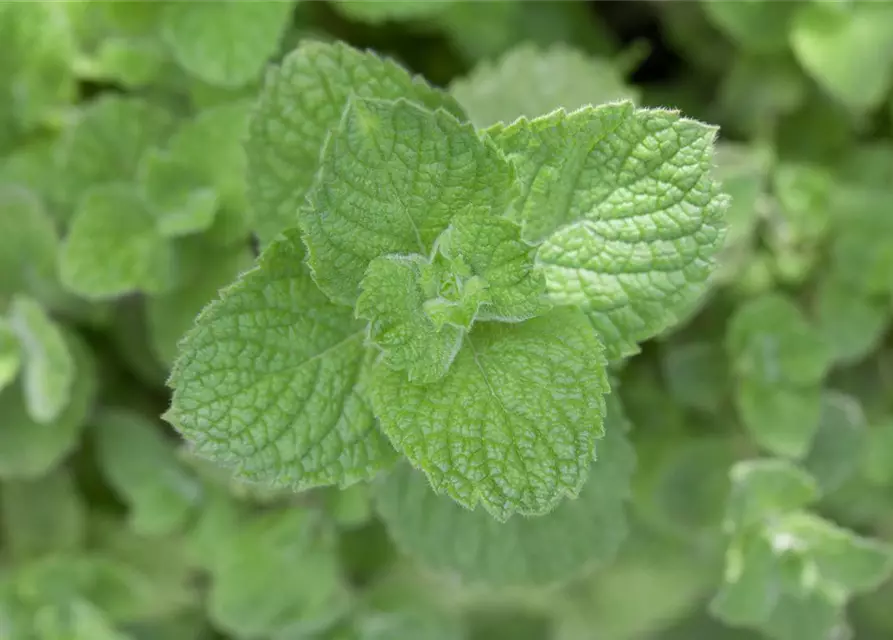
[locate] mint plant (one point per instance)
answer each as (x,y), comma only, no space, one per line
(442,293)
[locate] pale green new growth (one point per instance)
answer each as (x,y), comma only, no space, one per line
(393,302)
(522,436)
(48,367)
(577,536)
(272,381)
(490,249)
(627,212)
(302,100)
(114,246)
(529,81)
(225,43)
(766,488)
(392,177)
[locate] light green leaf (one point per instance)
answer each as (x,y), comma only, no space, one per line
(696,374)
(108,140)
(529,81)
(114,246)
(212,144)
(135,62)
(763,489)
(878,453)
(302,100)
(181,202)
(286,542)
(171,315)
(77,620)
(491,249)
(10,354)
(29,449)
(847,48)
(770,341)
(272,381)
(48,366)
(42,516)
(28,244)
(578,535)
(524,438)
(141,465)
(851,322)
(781,419)
(225,43)
(393,176)
(393,300)
(627,212)
(860,251)
(849,562)
(836,451)
(383,11)
(757,25)
(806,614)
(751,586)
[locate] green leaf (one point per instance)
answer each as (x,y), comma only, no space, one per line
(114,246)
(29,449)
(626,210)
(389,10)
(48,367)
(860,250)
(763,489)
(530,81)
(850,322)
(141,465)
(808,614)
(757,25)
(490,249)
(878,453)
(10,354)
(781,419)
(770,341)
(524,437)
(696,374)
(171,315)
(181,202)
(394,302)
(393,176)
(78,620)
(42,516)
(225,43)
(107,141)
(301,102)
(847,48)
(577,536)
(212,144)
(28,244)
(285,542)
(272,380)
(836,451)
(751,585)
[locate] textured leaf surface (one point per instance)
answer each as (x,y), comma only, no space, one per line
(393,175)
(141,465)
(763,489)
(48,367)
(29,449)
(285,542)
(847,49)
(627,212)
(179,200)
(302,100)
(491,249)
(393,301)
(114,246)
(577,536)
(28,244)
(524,436)
(272,381)
(530,81)
(225,43)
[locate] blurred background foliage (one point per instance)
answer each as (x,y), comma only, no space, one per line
(123,210)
